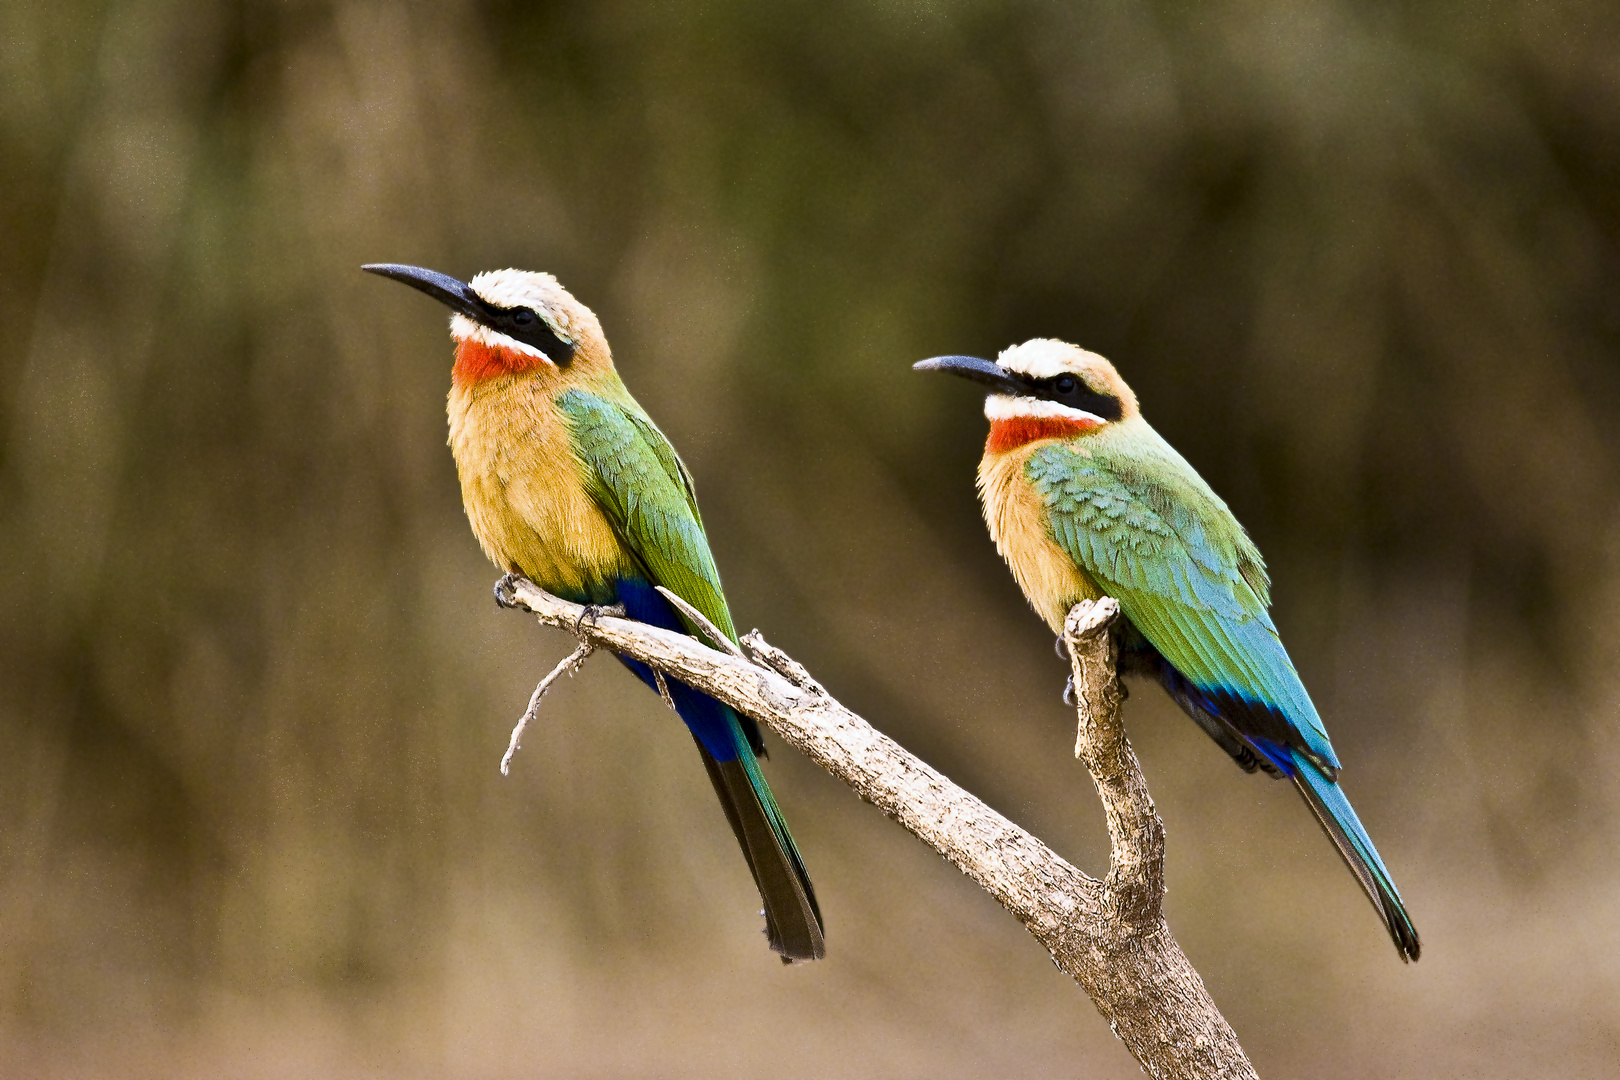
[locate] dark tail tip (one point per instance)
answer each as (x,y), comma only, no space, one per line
(1401,929)
(792,917)
(1338,820)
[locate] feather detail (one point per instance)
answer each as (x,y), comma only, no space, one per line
(1130,513)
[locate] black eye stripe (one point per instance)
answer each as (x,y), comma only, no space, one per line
(1071,390)
(528,326)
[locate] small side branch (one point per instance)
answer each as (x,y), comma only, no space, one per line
(569,665)
(701,621)
(1109,936)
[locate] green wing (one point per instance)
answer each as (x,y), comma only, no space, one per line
(1141,522)
(636,478)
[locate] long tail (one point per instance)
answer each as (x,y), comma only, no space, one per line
(1339,821)
(728,745)
(792,916)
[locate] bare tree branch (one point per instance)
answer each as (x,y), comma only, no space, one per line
(1109,936)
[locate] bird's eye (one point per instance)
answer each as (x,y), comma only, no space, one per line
(1065,384)
(522,317)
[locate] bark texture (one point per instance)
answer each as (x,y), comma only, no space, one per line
(1109,936)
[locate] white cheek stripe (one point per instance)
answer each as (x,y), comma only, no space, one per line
(464,329)
(1005,407)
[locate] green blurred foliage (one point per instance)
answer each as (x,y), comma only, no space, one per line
(1357,258)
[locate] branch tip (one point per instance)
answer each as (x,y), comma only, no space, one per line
(1090,617)
(663,690)
(766,655)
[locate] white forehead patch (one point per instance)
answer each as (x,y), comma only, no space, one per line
(1007,407)
(530,289)
(1041,358)
(464,329)
(515,288)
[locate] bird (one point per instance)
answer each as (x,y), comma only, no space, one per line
(567,481)
(1084,499)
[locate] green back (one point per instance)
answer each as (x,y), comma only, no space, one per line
(1135,515)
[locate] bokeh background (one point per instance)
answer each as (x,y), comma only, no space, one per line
(1361,261)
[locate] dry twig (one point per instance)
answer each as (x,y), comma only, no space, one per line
(1109,936)
(701,621)
(569,664)
(663,690)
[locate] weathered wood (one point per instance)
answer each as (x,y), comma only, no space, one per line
(1110,936)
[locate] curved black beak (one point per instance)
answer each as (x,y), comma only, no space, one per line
(455,295)
(990,374)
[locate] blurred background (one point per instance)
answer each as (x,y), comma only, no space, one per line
(1359,260)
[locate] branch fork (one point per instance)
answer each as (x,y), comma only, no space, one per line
(1109,935)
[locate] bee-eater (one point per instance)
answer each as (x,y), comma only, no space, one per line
(567,481)
(1083,499)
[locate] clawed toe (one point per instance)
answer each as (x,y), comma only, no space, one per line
(590,613)
(506,590)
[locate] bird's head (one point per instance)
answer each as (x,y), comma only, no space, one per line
(1043,389)
(510,321)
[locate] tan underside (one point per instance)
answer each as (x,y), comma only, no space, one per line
(1019,526)
(524,489)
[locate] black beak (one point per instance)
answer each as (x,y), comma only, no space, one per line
(990,374)
(442,287)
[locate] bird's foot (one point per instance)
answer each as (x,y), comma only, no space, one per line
(1061,647)
(590,613)
(506,590)
(1068,693)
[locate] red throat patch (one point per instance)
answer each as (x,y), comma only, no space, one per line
(1020,431)
(476,361)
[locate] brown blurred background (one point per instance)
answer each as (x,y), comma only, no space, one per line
(1360,261)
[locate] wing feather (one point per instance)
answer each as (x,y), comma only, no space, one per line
(641,485)
(1139,520)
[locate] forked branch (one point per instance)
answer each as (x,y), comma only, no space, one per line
(1109,936)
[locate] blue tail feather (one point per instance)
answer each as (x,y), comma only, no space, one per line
(714,725)
(1282,735)
(1334,813)
(730,742)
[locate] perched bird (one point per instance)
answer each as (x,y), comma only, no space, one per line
(567,481)
(1084,499)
